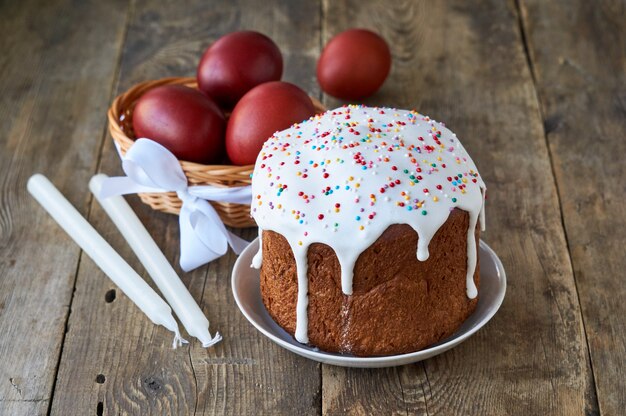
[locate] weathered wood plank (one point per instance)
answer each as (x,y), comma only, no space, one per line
(463,62)
(578,54)
(57,68)
(245,373)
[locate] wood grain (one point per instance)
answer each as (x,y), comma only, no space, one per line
(464,62)
(548,140)
(578,54)
(114,360)
(57,68)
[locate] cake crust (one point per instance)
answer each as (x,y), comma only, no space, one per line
(399,304)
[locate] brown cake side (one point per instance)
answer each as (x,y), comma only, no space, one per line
(399,304)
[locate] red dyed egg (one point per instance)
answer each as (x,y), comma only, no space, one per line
(354,64)
(183,120)
(236,63)
(266,109)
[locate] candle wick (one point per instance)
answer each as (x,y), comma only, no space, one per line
(217,338)
(178,340)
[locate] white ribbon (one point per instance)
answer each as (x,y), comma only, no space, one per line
(150,167)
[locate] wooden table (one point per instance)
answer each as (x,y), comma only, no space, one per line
(536,90)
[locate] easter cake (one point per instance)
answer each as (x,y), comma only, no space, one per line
(369,226)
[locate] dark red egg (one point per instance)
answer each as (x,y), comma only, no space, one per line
(354,64)
(183,120)
(266,109)
(235,64)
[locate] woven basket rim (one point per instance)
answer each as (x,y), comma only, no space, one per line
(119,116)
(115,112)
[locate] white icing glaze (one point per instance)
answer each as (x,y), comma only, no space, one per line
(302,318)
(342,178)
(258,257)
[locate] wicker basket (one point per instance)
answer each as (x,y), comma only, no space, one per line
(120,126)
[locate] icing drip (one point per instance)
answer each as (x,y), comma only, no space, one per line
(257,260)
(347,268)
(302,319)
(342,178)
(423,242)
(472,254)
(483,226)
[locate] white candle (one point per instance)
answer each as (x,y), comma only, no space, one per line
(170,285)
(111,263)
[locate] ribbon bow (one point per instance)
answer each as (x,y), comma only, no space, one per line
(150,167)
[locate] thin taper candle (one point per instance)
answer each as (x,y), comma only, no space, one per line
(152,258)
(111,263)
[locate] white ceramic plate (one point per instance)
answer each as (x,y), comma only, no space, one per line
(247,292)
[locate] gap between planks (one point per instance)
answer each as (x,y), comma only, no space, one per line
(532,69)
(103,137)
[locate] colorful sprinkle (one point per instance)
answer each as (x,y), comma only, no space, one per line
(344,145)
